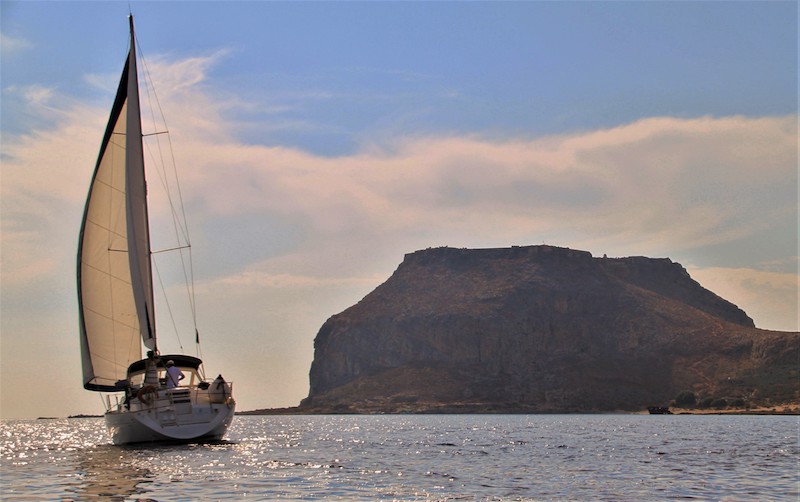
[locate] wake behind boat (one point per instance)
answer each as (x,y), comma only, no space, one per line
(166,397)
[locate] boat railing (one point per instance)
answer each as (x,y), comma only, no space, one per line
(161,398)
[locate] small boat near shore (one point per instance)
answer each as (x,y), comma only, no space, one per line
(659,410)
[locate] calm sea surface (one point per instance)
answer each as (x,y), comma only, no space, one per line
(416,457)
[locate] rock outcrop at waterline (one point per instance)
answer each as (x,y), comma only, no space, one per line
(542,329)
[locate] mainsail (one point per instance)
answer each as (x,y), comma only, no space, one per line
(115,292)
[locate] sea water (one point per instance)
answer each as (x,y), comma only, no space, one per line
(415,457)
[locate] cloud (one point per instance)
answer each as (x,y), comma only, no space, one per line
(44,179)
(669,183)
(13,45)
(659,185)
(32,95)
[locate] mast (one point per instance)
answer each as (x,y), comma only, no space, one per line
(137,215)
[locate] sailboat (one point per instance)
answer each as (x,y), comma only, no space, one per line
(154,402)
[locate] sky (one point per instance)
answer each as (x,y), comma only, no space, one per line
(319,142)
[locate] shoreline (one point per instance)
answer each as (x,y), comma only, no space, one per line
(782,409)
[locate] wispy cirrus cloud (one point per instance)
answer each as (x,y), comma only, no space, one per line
(692,180)
(658,185)
(12,45)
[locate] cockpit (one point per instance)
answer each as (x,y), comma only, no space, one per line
(191,367)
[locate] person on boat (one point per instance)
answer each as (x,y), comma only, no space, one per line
(151,369)
(174,375)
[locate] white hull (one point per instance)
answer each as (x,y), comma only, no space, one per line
(170,417)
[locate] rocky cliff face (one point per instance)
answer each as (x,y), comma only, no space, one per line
(542,328)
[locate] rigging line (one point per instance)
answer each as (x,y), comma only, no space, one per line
(199,351)
(190,285)
(180,225)
(162,175)
(190,279)
(170,249)
(187,274)
(180,221)
(169,307)
(104,401)
(152,97)
(159,162)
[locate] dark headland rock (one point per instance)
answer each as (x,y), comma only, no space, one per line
(543,329)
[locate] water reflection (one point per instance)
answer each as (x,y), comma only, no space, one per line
(110,472)
(421,457)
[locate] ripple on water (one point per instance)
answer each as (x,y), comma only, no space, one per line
(414,458)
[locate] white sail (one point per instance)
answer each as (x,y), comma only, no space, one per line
(114,272)
(136,189)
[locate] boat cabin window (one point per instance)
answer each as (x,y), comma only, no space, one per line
(192,377)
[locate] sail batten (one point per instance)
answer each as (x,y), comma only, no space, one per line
(114,274)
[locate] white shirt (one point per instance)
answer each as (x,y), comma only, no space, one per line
(174,376)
